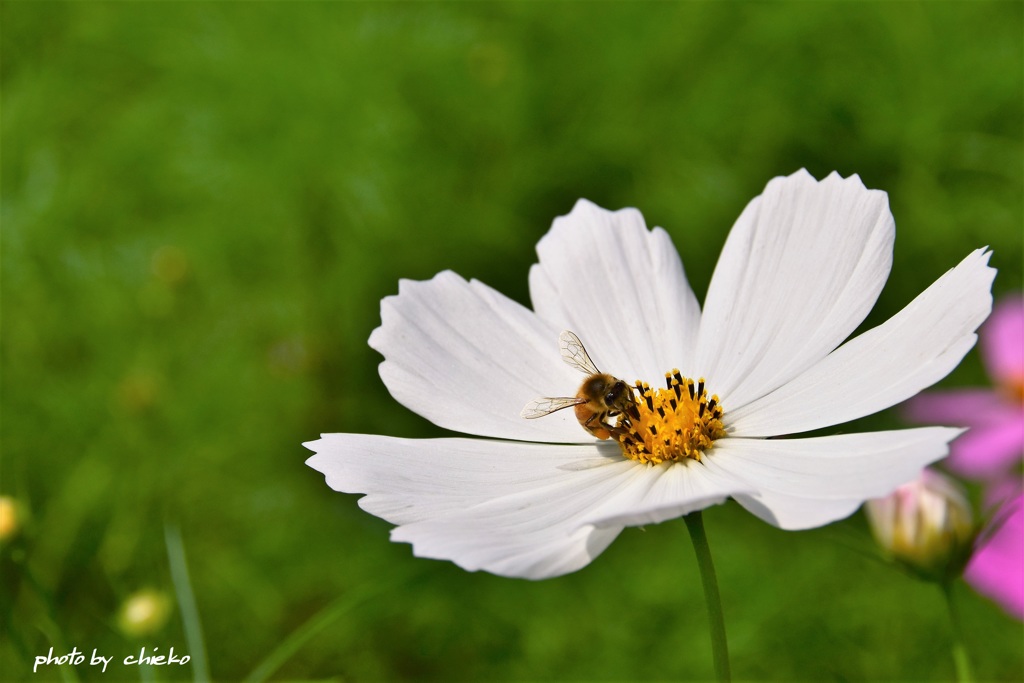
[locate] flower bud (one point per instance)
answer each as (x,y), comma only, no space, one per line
(926,525)
(10,518)
(144,612)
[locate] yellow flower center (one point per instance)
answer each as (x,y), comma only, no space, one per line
(1013,388)
(666,425)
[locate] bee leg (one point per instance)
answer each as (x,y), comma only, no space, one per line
(618,431)
(597,427)
(601,424)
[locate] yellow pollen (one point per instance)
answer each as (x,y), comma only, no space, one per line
(666,425)
(1014,389)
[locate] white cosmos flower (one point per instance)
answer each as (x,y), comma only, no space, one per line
(537,498)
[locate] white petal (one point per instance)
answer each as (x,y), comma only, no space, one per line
(620,287)
(883,366)
(802,268)
(468,359)
(804,483)
(514,509)
(667,491)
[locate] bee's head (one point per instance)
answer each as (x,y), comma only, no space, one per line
(618,395)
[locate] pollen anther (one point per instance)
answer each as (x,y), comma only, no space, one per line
(672,424)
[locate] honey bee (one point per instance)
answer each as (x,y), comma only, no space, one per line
(599,398)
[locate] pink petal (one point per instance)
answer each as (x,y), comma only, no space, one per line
(1002,341)
(1001,492)
(986,451)
(956,408)
(997,569)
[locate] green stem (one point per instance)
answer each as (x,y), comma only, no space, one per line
(716,622)
(960,660)
(186,603)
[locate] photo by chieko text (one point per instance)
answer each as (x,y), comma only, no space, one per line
(77,657)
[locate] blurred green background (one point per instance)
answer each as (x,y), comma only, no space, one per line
(203,204)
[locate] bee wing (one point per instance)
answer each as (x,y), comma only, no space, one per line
(574,354)
(539,407)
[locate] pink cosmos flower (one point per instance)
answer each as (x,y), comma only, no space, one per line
(995,441)
(997,568)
